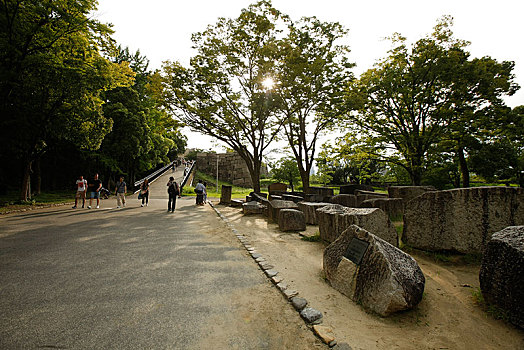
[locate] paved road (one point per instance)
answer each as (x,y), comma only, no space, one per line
(136,278)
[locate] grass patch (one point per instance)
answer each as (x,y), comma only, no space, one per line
(492,310)
(314,238)
(236,192)
(10,202)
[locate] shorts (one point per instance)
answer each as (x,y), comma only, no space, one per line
(81,194)
(95,195)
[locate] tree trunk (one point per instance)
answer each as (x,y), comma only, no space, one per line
(38,177)
(25,193)
(304,175)
(464,170)
(255,178)
(415,172)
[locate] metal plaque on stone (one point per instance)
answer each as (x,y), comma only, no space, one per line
(356,250)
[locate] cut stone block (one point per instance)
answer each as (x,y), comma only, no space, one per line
(461,220)
(291,220)
(350,189)
(387,280)
(502,273)
(276,205)
(310,211)
(253,207)
(334,219)
(347,200)
(393,207)
(407,193)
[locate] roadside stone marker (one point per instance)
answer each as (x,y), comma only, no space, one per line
(386,281)
(225,196)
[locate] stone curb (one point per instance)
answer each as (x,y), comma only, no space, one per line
(36,207)
(311,317)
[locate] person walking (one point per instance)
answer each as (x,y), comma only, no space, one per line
(199,190)
(205,193)
(173,190)
(120,193)
(81,188)
(95,185)
(144,192)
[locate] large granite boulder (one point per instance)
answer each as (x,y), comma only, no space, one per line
(276,205)
(310,211)
(253,207)
(393,207)
(461,220)
(350,189)
(407,193)
(347,200)
(385,280)
(502,273)
(291,220)
(334,219)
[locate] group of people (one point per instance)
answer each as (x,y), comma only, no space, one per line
(83,187)
(94,187)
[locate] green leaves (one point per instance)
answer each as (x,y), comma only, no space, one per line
(416,96)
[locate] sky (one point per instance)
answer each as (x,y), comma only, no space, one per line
(162,29)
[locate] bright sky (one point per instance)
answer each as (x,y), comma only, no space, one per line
(162,29)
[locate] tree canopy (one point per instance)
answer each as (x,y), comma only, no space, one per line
(417,96)
(222,93)
(56,77)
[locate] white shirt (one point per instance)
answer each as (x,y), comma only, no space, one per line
(81,185)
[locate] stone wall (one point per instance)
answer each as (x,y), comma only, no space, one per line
(231,168)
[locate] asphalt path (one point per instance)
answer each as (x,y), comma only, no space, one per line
(136,278)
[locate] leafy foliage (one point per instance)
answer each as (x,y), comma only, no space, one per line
(221,94)
(286,170)
(312,75)
(417,97)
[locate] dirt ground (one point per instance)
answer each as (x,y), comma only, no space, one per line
(446,318)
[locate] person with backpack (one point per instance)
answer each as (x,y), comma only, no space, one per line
(173,190)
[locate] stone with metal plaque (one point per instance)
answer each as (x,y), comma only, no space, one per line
(356,250)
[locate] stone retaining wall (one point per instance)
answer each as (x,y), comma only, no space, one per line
(231,168)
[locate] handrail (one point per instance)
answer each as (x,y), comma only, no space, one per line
(183,183)
(155,174)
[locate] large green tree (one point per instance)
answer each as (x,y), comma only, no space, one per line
(312,75)
(286,170)
(143,134)
(417,96)
(221,93)
(51,75)
(477,105)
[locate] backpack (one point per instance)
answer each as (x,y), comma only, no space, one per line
(172,189)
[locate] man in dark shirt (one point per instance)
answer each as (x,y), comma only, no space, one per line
(94,187)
